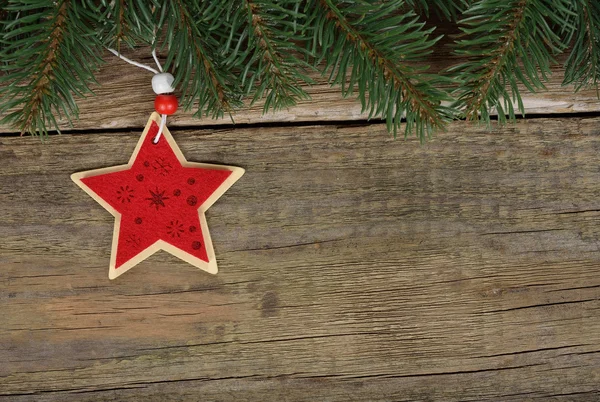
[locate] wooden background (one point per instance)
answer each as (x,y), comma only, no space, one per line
(353,267)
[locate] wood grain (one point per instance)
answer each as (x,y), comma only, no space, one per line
(124,99)
(352,267)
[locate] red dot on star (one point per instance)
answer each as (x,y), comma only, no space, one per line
(192,200)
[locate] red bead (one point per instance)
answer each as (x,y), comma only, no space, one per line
(165,104)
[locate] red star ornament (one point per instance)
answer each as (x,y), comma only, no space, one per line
(158,200)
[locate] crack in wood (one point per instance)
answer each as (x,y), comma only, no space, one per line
(532,351)
(537,306)
(574,288)
(522,232)
(268,248)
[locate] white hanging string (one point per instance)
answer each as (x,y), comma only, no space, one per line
(156,60)
(163,123)
(163,117)
(135,63)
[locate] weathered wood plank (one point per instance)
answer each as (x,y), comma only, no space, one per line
(353,267)
(125,99)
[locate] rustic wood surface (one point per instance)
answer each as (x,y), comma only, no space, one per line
(352,268)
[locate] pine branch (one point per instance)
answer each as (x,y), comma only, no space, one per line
(583,64)
(194,53)
(121,24)
(449,9)
(43,75)
(118,27)
(6,15)
(378,46)
(272,31)
(222,50)
(127,21)
(50,55)
(507,42)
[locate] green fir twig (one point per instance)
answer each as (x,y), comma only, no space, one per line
(369,46)
(582,67)
(506,42)
(278,74)
(194,54)
(48,56)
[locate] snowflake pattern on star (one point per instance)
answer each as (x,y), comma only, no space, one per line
(175,228)
(162,166)
(157,198)
(124,194)
(133,240)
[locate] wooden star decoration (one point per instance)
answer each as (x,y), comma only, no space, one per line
(158,200)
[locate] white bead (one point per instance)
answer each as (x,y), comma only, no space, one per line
(161,83)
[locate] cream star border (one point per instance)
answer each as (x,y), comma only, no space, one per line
(211,265)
